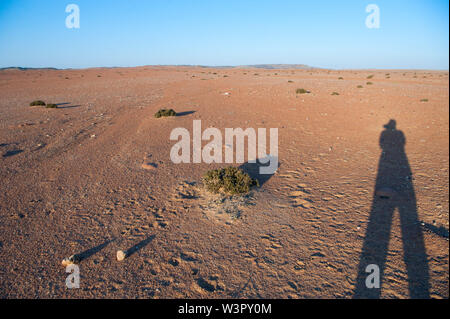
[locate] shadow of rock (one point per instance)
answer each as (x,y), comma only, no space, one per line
(12,153)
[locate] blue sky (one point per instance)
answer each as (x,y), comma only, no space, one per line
(412,34)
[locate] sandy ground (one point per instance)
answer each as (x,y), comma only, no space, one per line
(72,182)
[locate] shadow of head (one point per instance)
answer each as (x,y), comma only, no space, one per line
(391,125)
(262,169)
(392,140)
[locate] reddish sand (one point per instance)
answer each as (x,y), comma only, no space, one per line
(72,182)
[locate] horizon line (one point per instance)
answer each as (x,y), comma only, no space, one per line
(265,66)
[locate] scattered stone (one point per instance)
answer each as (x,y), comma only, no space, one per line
(385,192)
(74,259)
(149,166)
(121,255)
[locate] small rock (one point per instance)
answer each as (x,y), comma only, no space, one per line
(385,192)
(121,255)
(149,166)
(74,259)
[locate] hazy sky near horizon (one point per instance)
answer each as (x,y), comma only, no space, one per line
(331,34)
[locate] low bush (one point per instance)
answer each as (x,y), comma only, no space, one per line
(230,180)
(37,103)
(301,91)
(165,113)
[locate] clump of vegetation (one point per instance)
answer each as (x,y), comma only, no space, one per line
(302,91)
(51,106)
(37,103)
(369,83)
(340,78)
(230,180)
(290,81)
(370,76)
(424,100)
(335,93)
(359,86)
(165,113)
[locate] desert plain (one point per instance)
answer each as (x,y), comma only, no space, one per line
(94,176)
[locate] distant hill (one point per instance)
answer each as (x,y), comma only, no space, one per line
(255,66)
(25,69)
(265,66)
(280,66)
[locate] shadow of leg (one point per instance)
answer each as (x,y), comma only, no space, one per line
(375,247)
(414,251)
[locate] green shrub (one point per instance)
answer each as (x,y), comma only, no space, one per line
(370,76)
(335,93)
(340,78)
(230,180)
(37,103)
(369,83)
(290,81)
(301,91)
(165,113)
(359,86)
(424,100)
(51,106)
